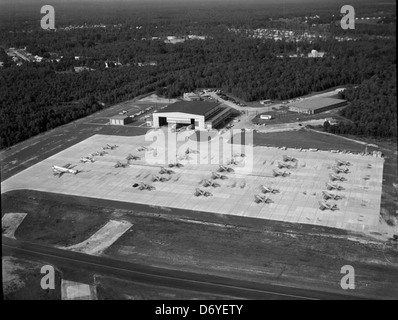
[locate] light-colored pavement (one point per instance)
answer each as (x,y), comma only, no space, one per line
(298,200)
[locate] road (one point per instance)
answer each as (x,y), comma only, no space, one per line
(204,283)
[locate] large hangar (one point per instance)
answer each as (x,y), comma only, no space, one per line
(201,114)
(317,105)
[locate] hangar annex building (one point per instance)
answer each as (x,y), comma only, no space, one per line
(201,114)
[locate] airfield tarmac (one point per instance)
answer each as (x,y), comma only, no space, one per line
(298,200)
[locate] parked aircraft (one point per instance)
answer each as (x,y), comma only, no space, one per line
(333,196)
(112,147)
(175,164)
(326,206)
(143,186)
(242,155)
(208,183)
(287,158)
(282,165)
(369,166)
(59,171)
(99,153)
(278,173)
(343,163)
(232,162)
(332,186)
(225,169)
(121,165)
(265,189)
(156,178)
(341,170)
(216,175)
(144,148)
(199,192)
(262,199)
(132,157)
(189,150)
(335,177)
(165,171)
(86,159)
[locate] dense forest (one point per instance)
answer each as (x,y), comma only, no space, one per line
(36,97)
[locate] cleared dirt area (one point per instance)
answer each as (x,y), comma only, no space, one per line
(77,291)
(237,247)
(10,223)
(102,239)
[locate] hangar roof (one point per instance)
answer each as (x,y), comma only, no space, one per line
(317,103)
(192,107)
(120,117)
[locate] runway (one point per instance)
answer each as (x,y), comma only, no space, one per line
(162,277)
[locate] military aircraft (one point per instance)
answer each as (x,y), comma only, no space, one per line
(165,171)
(175,164)
(144,148)
(369,166)
(332,186)
(333,196)
(156,178)
(278,173)
(208,183)
(143,186)
(59,171)
(287,158)
(341,170)
(262,199)
(216,175)
(242,155)
(225,169)
(232,162)
(99,153)
(189,150)
(335,177)
(199,192)
(265,189)
(121,165)
(112,147)
(282,165)
(343,163)
(326,206)
(132,157)
(86,159)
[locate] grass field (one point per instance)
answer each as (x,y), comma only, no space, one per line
(307,139)
(251,249)
(109,288)
(290,117)
(21,280)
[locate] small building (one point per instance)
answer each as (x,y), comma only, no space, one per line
(316,54)
(265,117)
(191,96)
(316,105)
(264,102)
(120,120)
(200,114)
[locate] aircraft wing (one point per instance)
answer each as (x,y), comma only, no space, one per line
(67,166)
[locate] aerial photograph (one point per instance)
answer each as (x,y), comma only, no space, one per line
(198,155)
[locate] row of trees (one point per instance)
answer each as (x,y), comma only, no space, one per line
(373,108)
(39,96)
